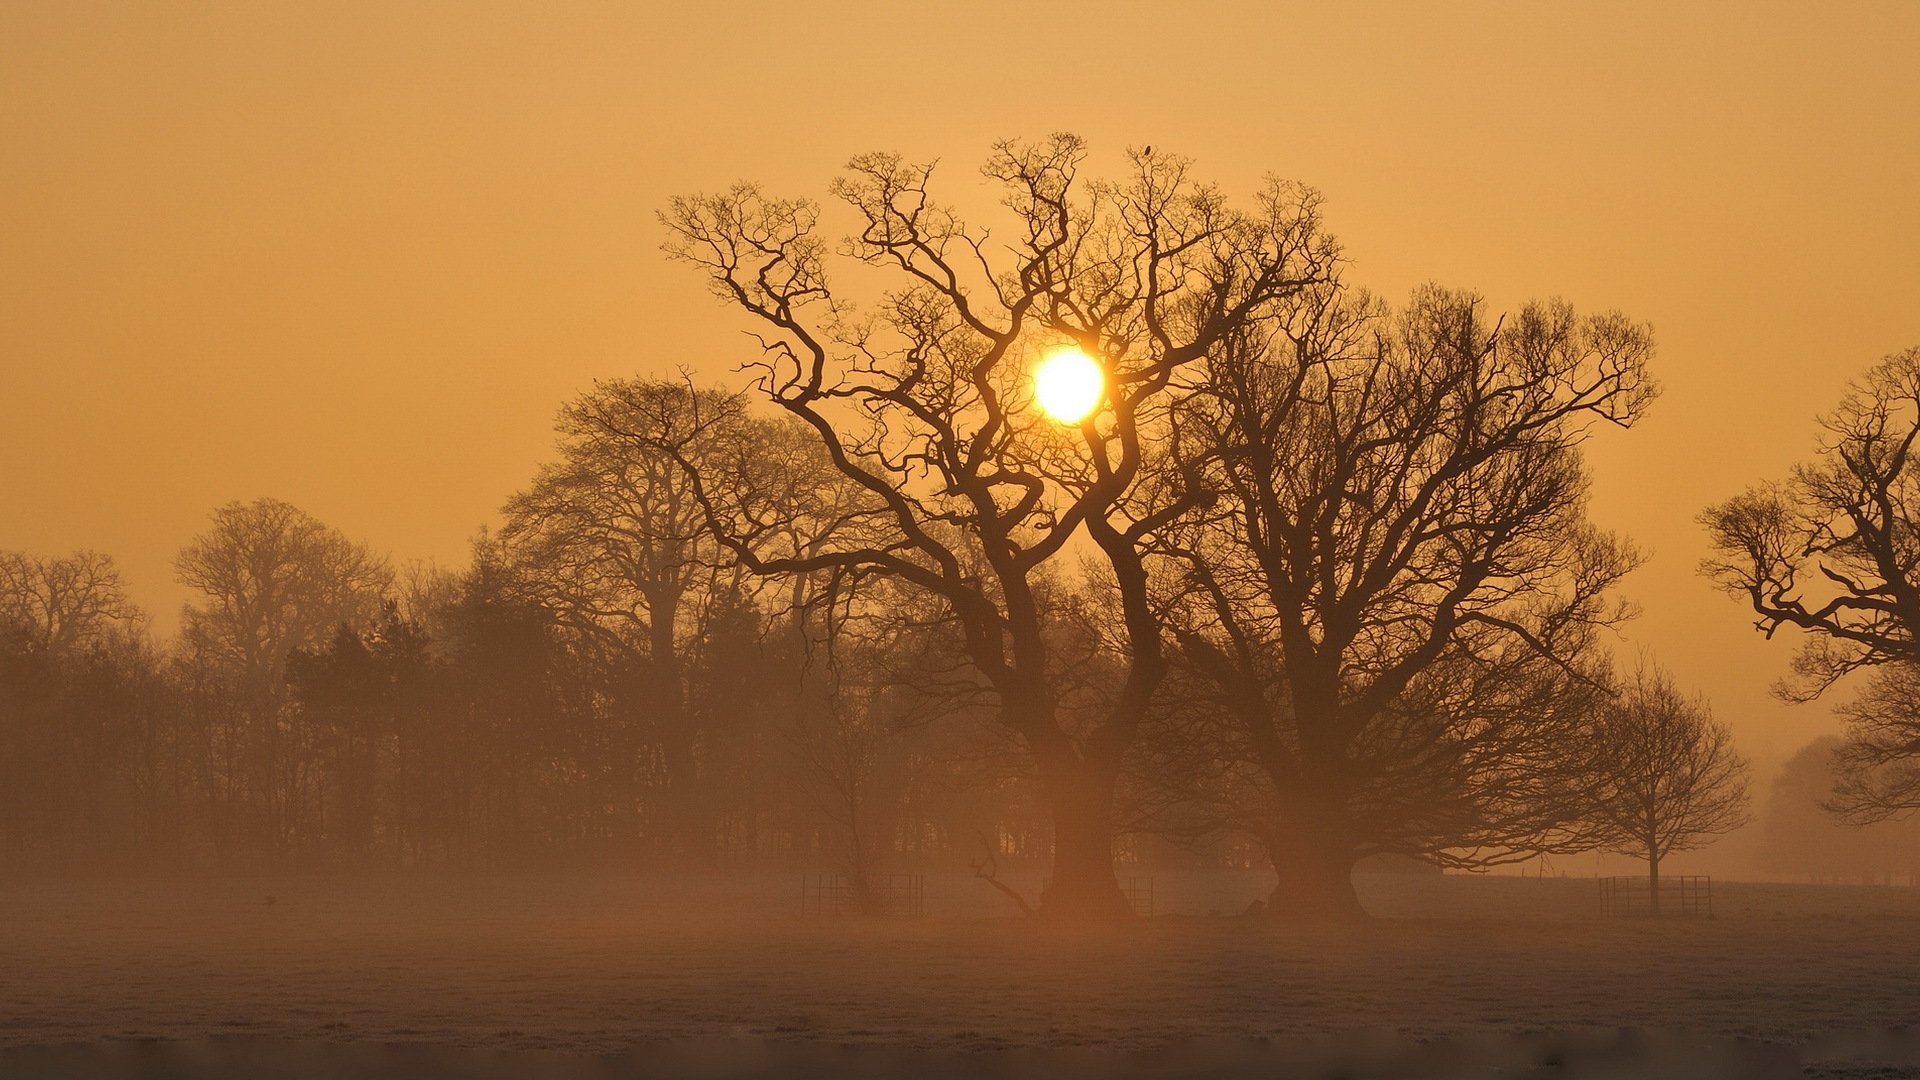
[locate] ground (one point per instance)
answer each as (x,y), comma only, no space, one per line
(412,975)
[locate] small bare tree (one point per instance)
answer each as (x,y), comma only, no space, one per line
(1672,779)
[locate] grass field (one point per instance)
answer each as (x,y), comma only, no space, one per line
(692,976)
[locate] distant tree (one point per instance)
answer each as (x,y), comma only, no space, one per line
(1877,770)
(1834,550)
(271,580)
(1800,838)
(924,402)
(59,605)
(512,761)
(1388,617)
(613,540)
(1672,779)
(82,712)
(338,689)
(367,695)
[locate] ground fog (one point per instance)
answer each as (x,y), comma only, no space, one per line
(614,975)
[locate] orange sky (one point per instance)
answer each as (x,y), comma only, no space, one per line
(354,257)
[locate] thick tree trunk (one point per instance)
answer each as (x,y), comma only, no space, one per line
(1314,879)
(1083,887)
(1312,848)
(1653,881)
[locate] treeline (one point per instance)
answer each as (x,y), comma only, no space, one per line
(613,682)
(319,709)
(1291,571)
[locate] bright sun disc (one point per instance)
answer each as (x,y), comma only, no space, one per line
(1069,384)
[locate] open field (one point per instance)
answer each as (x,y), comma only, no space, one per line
(611,975)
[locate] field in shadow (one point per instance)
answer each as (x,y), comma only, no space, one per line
(607,975)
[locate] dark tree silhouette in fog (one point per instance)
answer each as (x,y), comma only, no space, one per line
(1800,837)
(611,539)
(1671,779)
(82,704)
(57,605)
(1878,767)
(1392,608)
(271,580)
(368,697)
(923,400)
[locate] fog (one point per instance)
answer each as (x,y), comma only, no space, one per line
(857,541)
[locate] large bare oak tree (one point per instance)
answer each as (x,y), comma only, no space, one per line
(923,399)
(1394,604)
(1834,552)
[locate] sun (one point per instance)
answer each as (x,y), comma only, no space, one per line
(1069,384)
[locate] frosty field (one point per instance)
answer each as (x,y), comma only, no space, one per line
(612,975)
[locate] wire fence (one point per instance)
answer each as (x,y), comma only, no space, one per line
(881,894)
(1140,895)
(1684,895)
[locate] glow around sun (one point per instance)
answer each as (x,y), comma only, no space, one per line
(1069,384)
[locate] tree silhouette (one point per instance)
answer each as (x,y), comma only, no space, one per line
(1391,608)
(1878,767)
(1672,779)
(81,696)
(365,696)
(272,579)
(1798,836)
(1833,551)
(59,605)
(923,401)
(611,539)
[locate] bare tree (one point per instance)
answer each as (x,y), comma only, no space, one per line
(1673,780)
(612,541)
(60,604)
(1877,769)
(272,579)
(1393,604)
(924,402)
(80,702)
(1833,551)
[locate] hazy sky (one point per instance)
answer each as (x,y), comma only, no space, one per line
(355,256)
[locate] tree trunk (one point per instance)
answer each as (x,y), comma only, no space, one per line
(1653,881)
(1083,887)
(1312,849)
(1314,878)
